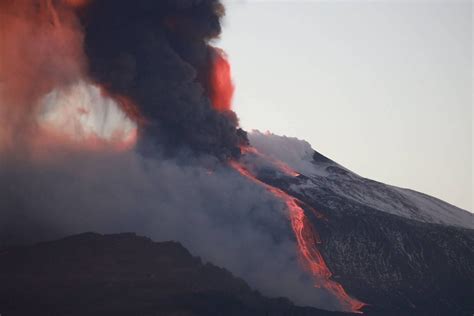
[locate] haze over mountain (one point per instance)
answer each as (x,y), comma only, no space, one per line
(116,116)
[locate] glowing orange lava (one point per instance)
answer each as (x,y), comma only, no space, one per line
(306,239)
(221,86)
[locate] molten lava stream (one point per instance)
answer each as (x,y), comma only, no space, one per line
(306,240)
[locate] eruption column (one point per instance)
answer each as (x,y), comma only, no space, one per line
(306,239)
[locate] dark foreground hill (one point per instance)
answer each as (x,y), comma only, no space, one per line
(123,274)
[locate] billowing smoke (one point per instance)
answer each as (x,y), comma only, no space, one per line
(158,53)
(115,116)
(46,95)
(210,208)
(154,53)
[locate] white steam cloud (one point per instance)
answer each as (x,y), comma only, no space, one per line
(82,111)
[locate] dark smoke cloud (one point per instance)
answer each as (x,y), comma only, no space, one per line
(158,53)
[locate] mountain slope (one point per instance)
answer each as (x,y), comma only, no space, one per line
(322,172)
(393,263)
(401,252)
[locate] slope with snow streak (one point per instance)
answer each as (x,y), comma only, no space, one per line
(323,173)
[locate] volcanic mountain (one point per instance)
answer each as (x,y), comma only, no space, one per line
(397,251)
(116,116)
(400,251)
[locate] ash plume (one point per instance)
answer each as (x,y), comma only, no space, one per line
(158,54)
(98,69)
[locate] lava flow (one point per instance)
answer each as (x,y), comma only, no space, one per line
(306,239)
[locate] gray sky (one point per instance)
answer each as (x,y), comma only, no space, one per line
(382,87)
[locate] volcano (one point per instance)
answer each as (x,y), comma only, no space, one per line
(400,251)
(383,249)
(116,116)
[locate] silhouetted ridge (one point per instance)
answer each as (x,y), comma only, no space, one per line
(125,274)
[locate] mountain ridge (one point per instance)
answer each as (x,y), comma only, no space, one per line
(123,274)
(321,171)
(398,256)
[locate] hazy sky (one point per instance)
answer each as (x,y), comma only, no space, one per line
(382,87)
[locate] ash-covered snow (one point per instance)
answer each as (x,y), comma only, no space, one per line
(324,174)
(295,152)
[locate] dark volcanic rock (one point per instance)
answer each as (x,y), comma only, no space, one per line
(400,251)
(397,265)
(123,274)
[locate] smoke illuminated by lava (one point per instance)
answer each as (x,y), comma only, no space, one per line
(45,96)
(221,86)
(162,59)
(77,3)
(88,81)
(85,115)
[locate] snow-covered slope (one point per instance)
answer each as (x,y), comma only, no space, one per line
(323,173)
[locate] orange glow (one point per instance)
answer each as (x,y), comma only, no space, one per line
(221,85)
(49,139)
(40,49)
(45,97)
(77,3)
(83,115)
(307,239)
